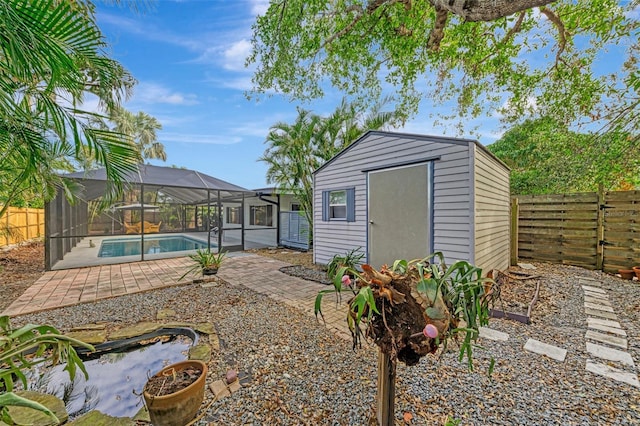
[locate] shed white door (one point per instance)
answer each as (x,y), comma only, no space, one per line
(399,214)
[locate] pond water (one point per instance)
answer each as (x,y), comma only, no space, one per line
(115,380)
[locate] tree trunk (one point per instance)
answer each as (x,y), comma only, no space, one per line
(486,10)
(386,389)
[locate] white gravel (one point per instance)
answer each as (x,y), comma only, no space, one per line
(300,373)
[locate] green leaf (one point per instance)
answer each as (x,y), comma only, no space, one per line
(435,313)
(10,399)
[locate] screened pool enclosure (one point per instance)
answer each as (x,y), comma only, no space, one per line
(164,212)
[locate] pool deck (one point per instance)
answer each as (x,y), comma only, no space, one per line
(69,287)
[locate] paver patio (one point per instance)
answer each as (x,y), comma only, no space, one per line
(68,287)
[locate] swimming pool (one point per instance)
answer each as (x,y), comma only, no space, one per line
(131,246)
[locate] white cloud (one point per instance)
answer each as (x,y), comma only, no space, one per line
(259,7)
(153,93)
(236,54)
(199,139)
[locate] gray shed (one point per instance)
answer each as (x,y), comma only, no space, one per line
(404,196)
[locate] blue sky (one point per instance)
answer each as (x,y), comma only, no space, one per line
(188,58)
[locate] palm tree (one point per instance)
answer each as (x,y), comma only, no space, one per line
(291,158)
(141,128)
(51,55)
(296,150)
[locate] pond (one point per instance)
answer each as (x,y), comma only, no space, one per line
(116,378)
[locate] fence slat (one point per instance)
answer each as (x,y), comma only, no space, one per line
(568,228)
(20,225)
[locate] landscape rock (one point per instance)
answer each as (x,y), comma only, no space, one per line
(96,418)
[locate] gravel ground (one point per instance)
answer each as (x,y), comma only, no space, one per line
(300,373)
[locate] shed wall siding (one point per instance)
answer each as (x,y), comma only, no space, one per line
(452,229)
(491,212)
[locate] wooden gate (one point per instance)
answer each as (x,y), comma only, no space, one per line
(621,230)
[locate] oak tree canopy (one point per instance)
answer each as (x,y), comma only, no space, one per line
(477,53)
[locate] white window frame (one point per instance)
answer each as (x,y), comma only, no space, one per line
(333,206)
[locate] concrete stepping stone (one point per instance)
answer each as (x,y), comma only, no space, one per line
(593,289)
(592,280)
(599,313)
(610,354)
(613,373)
(620,342)
(600,300)
(611,330)
(604,322)
(596,295)
(491,334)
(598,306)
(526,266)
(541,348)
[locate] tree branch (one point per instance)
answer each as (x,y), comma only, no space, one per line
(562,32)
(437,32)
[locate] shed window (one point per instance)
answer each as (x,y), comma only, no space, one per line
(339,205)
(261,215)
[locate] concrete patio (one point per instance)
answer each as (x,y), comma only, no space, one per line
(68,287)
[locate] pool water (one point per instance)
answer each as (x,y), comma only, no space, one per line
(131,246)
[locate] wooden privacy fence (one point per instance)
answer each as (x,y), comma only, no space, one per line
(19,224)
(591,230)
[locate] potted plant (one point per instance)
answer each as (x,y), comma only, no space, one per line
(174,394)
(205,261)
(636,269)
(349,260)
(627,274)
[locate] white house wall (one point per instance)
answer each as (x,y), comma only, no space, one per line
(452,205)
(491,212)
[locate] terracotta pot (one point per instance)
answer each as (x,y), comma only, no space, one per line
(636,269)
(178,408)
(626,274)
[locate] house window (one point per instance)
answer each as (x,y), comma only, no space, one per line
(295,207)
(261,215)
(337,204)
(233,215)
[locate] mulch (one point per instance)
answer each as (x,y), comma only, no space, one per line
(20,267)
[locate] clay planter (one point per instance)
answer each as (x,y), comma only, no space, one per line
(636,269)
(626,274)
(180,407)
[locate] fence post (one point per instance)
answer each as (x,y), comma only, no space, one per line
(514,232)
(600,229)
(26,213)
(7,236)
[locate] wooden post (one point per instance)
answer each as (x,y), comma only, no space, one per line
(386,389)
(26,214)
(9,233)
(600,229)
(514,232)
